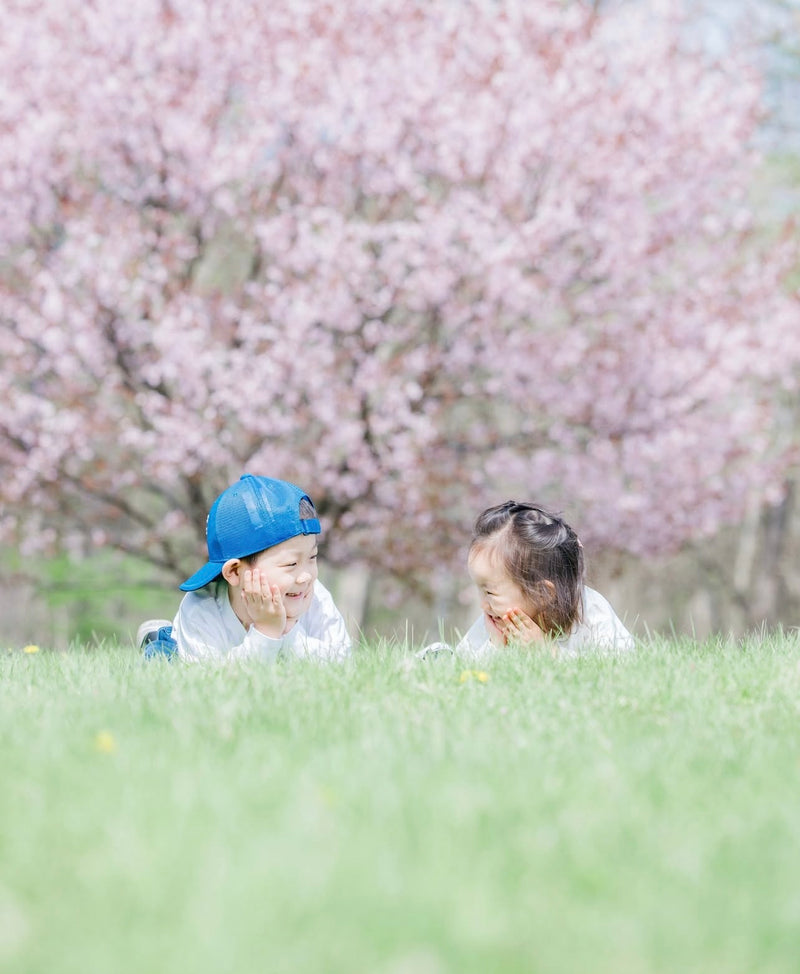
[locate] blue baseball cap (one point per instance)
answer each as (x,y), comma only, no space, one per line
(254,514)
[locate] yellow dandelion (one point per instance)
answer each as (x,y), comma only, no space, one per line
(30,648)
(104,742)
(480,675)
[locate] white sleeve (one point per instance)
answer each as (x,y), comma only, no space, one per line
(256,645)
(476,642)
(198,633)
(321,633)
(601,626)
(202,634)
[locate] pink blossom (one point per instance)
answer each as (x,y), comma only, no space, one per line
(416,256)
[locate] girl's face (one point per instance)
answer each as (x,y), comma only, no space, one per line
(499,593)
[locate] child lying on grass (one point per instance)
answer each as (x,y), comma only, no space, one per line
(258,595)
(529,570)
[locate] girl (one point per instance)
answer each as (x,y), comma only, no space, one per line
(528,566)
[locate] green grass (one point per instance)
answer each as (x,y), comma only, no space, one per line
(597,816)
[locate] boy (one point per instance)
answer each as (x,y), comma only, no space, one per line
(258,594)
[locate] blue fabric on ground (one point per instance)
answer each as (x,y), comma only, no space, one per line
(163,645)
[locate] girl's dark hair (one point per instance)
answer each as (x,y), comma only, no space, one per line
(537,546)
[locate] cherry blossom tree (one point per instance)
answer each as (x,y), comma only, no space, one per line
(414,255)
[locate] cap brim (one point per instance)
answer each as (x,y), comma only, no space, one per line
(207,574)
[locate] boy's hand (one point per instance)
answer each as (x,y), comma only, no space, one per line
(264,604)
(520,629)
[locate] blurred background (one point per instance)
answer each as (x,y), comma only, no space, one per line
(418,258)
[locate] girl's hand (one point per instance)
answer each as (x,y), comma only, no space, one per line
(264,604)
(520,630)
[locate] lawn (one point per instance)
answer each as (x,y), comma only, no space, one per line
(397,816)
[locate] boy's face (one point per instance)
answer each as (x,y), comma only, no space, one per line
(292,566)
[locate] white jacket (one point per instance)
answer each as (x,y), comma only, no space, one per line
(207,628)
(599,630)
